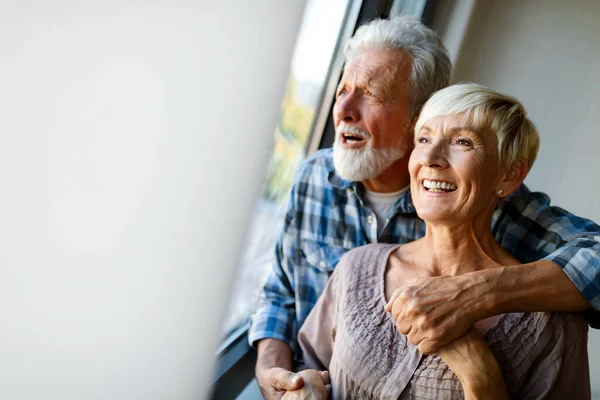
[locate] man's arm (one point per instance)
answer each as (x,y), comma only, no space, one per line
(273,328)
(434,311)
(537,286)
(531,229)
(273,369)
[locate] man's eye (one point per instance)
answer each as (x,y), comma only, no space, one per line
(341,92)
(369,94)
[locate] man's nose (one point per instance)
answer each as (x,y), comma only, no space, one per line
(346,108)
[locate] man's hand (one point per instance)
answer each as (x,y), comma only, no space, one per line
(316,386)
(273,366)
(434,311)
(274,382)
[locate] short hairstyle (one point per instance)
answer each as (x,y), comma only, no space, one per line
(485,108)
(431,65)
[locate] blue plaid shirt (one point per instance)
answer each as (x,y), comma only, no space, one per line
(327,216)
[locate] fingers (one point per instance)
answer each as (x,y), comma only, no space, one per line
(286,380)
(328,389)
(325,377)
(390,303)
(427,347)
(403,326)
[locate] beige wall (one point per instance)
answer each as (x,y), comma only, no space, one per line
(547,54)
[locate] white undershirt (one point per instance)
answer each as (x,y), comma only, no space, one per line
(382,205)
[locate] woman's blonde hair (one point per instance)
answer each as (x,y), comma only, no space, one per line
(485,108)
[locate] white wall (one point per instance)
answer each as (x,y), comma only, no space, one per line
(133,141)
(547,54)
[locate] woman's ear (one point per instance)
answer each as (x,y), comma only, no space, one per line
(513,177)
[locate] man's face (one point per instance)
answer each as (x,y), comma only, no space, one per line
(371,114)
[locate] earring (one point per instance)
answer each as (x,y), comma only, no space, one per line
(500,191)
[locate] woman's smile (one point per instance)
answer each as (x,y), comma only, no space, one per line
(438,186)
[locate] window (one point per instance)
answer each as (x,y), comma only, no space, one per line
(316,47)
(305,125)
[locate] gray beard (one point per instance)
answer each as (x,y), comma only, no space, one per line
(366,163)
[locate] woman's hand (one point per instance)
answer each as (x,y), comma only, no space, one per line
(471,359)
(316,386)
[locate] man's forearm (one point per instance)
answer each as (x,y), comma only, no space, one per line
(274,353)
(537,286)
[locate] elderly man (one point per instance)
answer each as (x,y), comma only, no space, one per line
(358,194)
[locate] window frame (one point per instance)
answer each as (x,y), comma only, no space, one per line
(235,357)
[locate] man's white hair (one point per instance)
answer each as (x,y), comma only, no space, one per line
(487,109)
(431,65)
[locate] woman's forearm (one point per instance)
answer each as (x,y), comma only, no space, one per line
(472,361)
(487,383)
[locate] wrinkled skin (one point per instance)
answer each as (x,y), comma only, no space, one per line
(434,311)
(316,387)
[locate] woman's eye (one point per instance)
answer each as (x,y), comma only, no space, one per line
(422,140)
(464,142)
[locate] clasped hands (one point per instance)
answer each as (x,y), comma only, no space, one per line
(435,311)
(438,315)
(280,384)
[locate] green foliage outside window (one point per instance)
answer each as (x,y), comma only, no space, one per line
(291,134)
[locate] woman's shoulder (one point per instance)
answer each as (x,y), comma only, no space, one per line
(572,326)
(364,258)
(525,342)
(533,329)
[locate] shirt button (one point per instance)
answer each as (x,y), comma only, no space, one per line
(322,264)
(370,219)
(410,205)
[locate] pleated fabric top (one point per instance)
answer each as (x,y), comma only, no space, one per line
(542,355)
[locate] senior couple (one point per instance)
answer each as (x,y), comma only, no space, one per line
(470,285)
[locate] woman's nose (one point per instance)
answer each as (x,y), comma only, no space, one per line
(346,108)
(434,156)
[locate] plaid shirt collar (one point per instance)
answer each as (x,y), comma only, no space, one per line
(404,204)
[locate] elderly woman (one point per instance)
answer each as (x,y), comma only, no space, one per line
(473,147)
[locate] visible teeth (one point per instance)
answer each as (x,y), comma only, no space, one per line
(438,186)
(352,137)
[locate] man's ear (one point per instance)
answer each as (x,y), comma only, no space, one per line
(513,177)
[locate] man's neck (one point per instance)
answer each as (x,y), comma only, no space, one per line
(393,179)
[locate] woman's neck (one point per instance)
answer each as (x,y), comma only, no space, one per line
(457,249)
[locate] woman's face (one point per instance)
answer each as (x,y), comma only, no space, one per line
(454,171)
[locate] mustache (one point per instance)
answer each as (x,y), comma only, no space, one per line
(349,129)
